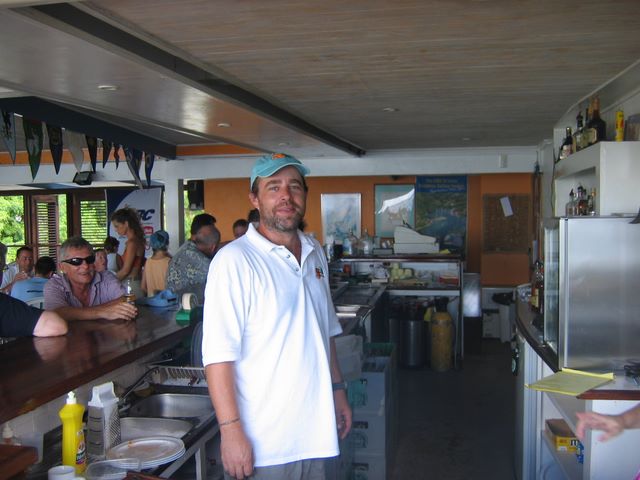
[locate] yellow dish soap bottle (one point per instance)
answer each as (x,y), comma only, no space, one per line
(74,452)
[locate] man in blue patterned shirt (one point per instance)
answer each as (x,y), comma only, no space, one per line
(189,267)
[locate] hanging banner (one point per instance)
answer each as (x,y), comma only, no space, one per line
(33,140)
(116,154)
(75,144)
(107,145)
(55,145)
(148,204)
(92,146)
(134,159)
(149,159)
(9,133)
(441,210)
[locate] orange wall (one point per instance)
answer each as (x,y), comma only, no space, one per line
(228,200)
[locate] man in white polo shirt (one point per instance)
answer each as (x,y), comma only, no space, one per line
(268,350)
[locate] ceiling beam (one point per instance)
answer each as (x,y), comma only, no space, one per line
(91,26)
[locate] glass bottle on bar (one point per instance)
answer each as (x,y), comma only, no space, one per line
(591,203)
(582,201)
(570,207)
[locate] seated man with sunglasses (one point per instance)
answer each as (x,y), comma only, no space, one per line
(81,293)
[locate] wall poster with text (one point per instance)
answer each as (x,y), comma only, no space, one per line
(441,210)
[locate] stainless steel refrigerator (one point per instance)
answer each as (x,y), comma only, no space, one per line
(592,291)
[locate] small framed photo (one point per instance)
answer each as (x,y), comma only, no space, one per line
(394,207)
(340,215)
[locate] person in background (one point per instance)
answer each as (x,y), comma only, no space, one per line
(268,348)
(187,272)
(127,224)
(101,260)
(240,227)
(32,288)
(114,260)
(17,319)
(21,269)
(253,217)
(154,275)
(81,293)
(611,425)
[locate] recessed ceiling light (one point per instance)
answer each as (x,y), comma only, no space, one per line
(389,109)
(108,88)
(466,139)
(224,125)
(284,144)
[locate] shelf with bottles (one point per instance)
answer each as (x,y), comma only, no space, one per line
(611,168)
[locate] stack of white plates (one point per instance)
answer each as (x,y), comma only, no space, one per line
(151,451)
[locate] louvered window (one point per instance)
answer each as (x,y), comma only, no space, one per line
(93,221)
(46,213)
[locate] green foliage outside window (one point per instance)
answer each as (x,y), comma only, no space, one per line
(12,229)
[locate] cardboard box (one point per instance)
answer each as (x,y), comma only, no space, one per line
(561,435)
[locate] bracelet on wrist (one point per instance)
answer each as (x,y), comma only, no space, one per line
(229,422)
(339,385)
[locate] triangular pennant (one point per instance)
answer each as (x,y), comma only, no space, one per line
(75,142)
(133,157)
(92,146)
(55,145)
(9,133)
(107,145)
(33,138)
(116,154)
(149,159)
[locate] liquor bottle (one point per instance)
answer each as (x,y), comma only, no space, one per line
(578,134)
(537,288)
(591,203)
(570,207)
(566,148)
(582,201)
(596,127)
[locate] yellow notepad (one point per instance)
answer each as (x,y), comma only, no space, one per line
(571,382)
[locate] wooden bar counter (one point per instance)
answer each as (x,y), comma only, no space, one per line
(35,371)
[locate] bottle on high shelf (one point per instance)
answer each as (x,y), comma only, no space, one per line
(596,127)
(579,133)
(619,126)
(566,148)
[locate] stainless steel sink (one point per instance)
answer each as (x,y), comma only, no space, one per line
(365,295)
(174,405)
(138,427)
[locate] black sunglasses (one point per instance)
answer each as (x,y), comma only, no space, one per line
(77,261)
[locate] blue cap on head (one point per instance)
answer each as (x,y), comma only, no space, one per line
(159,240)
(267,165)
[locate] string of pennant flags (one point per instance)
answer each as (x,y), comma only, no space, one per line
(74,142)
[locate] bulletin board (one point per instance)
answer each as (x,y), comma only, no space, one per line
(506,234)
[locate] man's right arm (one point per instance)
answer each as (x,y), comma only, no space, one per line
(113,310)
(236,450)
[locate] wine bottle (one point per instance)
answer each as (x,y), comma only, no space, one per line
(596,127)
(566,148)
(577,135)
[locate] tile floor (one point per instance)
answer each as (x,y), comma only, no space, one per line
(458,424)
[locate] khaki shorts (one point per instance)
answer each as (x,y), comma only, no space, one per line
(312,469)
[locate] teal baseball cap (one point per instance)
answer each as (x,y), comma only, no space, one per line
(267,165)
